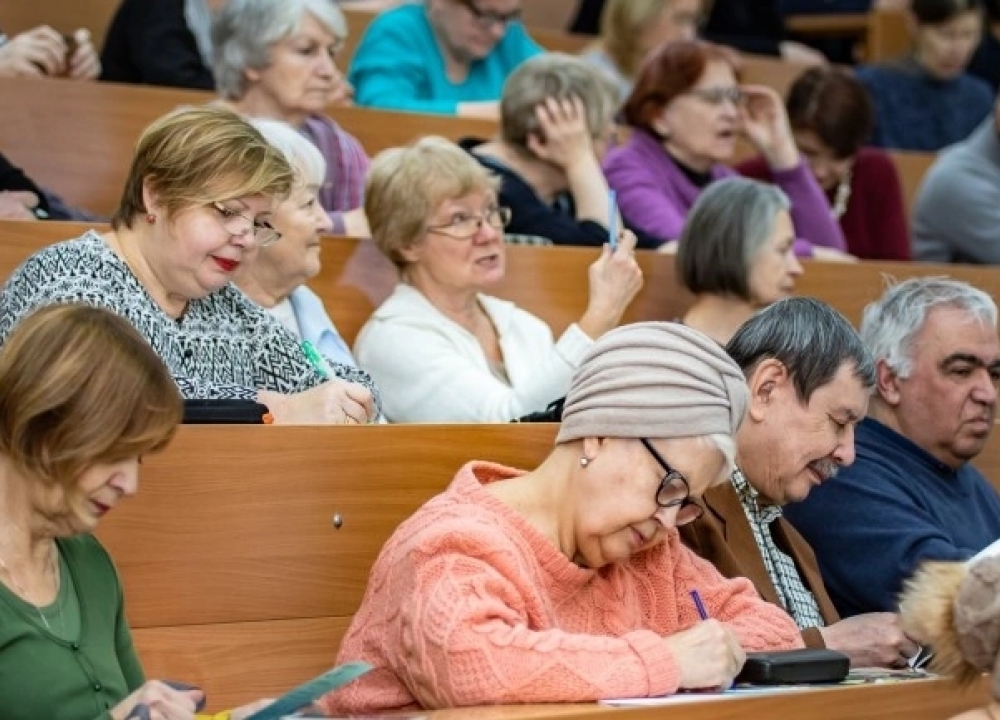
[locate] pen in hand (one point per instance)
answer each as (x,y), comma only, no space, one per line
(699,605)
(612,220)
(316,360)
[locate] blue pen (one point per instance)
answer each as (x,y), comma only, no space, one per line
(699,605)
(613,220)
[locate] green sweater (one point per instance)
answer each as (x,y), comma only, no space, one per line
(42,676)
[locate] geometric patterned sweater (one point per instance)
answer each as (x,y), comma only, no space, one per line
(223,346)
(469,604)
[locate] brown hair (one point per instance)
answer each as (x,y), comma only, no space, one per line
(670,71)
(80,386)
(829,102)
(406,184)
(199,155)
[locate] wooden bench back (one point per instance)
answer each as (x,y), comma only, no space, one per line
(78,138)
(550,282)
(247,549)
(911,166)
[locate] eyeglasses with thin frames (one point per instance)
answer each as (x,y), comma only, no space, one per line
(236,223)
(674,490)
(487,18)
(719,95)
(464,225)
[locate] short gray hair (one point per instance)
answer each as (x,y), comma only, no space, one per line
(244,30)
(890,324)
(809,338)
(728,225)
(560,76)
(304,157)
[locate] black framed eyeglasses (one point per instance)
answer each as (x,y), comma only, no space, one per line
(674,490)
(487,18)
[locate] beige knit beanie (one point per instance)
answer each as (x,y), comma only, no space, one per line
(654,380)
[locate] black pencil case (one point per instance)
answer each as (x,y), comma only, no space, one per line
(809,665)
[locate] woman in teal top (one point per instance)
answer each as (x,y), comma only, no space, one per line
(82,398)
(449,57)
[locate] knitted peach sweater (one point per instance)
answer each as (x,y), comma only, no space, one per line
(469,604)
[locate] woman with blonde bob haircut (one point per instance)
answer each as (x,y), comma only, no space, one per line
(196,208)
(440,348)
(630,29)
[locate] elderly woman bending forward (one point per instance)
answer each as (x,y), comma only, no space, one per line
(440,348)
(568,583)
(196,209)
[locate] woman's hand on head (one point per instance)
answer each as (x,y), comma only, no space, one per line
(335,402)
(563,137)
(615,279)
(708,655)
(765,123)
(163,701)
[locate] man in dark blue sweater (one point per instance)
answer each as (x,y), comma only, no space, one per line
(911,494)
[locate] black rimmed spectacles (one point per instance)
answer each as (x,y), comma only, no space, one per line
(674,490)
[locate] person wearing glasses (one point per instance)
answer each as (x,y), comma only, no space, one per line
(276,59)
(276,279)
(809,377)
(439,347)
(568,582)
(448,57)
(196,208)
(687,113)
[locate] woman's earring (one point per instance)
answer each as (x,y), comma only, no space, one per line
(150,218)
(584,461)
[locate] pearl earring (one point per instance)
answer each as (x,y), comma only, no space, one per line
(584,461)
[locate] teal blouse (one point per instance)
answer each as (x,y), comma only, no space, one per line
(43,675)
(398,65)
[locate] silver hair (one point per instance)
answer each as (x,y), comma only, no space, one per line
(727,446)
(304,157)
(890,325)
(728,225)
(244,30)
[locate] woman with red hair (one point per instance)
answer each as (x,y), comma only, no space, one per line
(687,112)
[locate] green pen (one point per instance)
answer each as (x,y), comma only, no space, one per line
(316,360)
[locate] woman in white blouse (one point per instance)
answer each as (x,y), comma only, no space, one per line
(439,347)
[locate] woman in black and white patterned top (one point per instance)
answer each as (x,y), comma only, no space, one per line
(195,208)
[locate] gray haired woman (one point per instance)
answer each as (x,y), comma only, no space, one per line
(275,59)
(736,255)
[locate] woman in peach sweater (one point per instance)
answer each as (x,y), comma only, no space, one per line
(568,583)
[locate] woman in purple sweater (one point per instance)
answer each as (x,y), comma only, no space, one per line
(687,111)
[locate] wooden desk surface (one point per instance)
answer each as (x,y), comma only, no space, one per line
(833,24)
(937,699)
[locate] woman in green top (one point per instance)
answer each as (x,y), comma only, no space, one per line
(82,398)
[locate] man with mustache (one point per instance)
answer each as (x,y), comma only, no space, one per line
(912,495)
(810,377)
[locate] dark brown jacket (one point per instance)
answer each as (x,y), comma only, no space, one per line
(723,536)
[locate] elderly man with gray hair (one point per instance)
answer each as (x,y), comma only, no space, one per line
(912,495)
(810,378)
